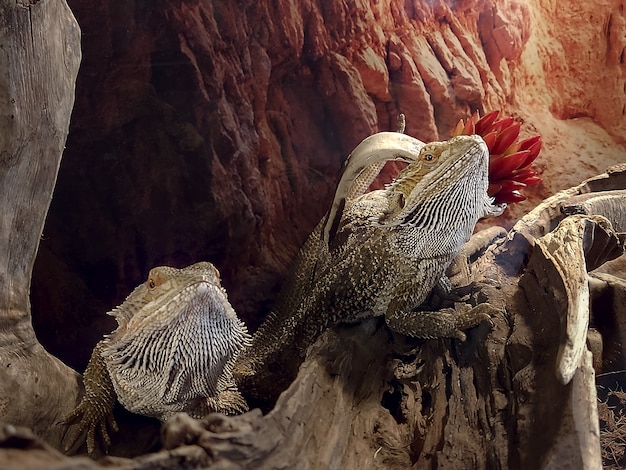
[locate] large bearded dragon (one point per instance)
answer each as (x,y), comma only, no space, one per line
(379,254)
(173,350)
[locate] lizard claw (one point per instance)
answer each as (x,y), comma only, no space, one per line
(91,425)
(470,317)
(474,316)
(444,323)
(93,418)
(228,402)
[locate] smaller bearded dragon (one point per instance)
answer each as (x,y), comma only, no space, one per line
(173,351)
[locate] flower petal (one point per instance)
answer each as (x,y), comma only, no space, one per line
(502,124)
(494,188)
(506,137)
(513,196)
(458,130)
(483,124)
(510,185)
(502,167)
(469,128)
(523,172)
(534,150)
(531,180)
(490,140)
(527,143)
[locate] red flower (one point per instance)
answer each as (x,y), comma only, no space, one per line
(510,160)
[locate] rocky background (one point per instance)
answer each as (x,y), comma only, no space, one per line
(214,130)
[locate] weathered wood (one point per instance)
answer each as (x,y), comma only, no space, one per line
(39,58)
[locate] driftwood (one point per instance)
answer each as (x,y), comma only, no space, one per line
(39,58)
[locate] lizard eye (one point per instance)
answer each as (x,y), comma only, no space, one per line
(156,277)
(429,157)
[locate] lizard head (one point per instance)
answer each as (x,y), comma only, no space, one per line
(177,319)
(361,167)
(166,293)
(439,168)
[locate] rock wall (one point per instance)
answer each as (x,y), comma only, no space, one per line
(215,129)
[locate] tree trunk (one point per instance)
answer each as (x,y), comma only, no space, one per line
(39,58)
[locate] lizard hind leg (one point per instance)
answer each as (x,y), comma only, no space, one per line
(444,323)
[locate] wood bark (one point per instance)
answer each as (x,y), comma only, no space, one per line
(39,58)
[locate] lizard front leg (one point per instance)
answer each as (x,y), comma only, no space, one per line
(444,323)
(94,414)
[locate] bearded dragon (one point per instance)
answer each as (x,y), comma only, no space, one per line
(379,254)
(173,350)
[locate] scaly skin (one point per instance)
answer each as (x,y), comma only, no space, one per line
(384,256)
(173,351)
(360,169)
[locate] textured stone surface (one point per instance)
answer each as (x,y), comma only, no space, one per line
(215,130)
